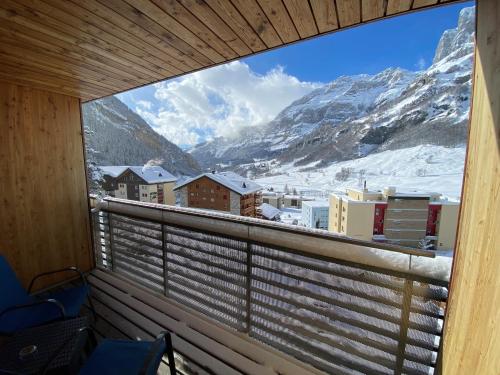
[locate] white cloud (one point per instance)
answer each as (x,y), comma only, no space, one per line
(421,64)
(219,101)
(144,104)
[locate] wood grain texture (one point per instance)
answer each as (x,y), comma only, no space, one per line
(423,3)
(398,6)
(325,15)
(44,221)
(278,15)
(471,344)
(372,9)
(103,47)
(349,12)
(302,17)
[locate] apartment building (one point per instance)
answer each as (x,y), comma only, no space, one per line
(315,214)
(407,219)
(221,191)
(145,184)
(294,201)
(272,198)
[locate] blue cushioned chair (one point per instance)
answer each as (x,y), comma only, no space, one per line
(19,310)
(123,357)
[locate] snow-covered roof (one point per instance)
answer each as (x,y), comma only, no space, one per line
(268,211)
(150,174)
(154,174)
(231,180)
(113,170)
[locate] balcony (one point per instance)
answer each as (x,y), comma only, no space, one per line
(247,296)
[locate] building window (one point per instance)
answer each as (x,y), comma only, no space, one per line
(197,186)
(218,187)
(225,197)
(212,200)
(192,194)
(342,228)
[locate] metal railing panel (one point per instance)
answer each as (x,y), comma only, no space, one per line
(337,314)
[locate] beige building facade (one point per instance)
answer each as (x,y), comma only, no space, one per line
(413,219)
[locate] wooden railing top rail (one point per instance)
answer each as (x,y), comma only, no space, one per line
(311,241)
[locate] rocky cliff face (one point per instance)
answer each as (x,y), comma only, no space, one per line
(115,135)
(358,115)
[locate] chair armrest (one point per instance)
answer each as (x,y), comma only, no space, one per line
(73,269)
(40,302)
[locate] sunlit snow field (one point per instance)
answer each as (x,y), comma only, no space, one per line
(422,168)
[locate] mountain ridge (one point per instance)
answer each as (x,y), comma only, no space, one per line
(115,135)
(353,116)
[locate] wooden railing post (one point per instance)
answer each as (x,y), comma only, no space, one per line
(403,326)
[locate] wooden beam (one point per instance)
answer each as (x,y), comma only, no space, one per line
(471,344)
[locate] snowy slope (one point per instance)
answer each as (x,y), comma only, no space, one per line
(424,168)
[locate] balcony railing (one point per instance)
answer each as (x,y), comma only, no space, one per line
(338,304)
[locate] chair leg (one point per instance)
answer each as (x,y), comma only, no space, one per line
(170,353)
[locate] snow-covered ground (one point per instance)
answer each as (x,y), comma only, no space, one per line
(424,168)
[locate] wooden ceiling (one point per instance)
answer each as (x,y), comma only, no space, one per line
(94,48)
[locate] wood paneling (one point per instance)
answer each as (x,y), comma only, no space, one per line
(208,194)
(472,331)
(325,15)
(94,48)
(372,9)
(398,6)
(44,222)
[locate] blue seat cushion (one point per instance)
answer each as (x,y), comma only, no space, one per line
(72,299)
(11,291)
(18,319)
(121,357)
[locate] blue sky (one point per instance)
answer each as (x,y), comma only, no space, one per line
(221,100)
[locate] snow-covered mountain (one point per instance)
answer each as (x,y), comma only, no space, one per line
(115,135)
(358,115)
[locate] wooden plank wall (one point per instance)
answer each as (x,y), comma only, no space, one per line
(472,331)
(44,220)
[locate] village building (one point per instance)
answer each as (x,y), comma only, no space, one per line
(269,212)
(272,198)
(315,214)
(409,219)
(221,191)
(145,184)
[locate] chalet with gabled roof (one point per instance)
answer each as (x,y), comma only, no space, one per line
(221,191)
(146,184)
